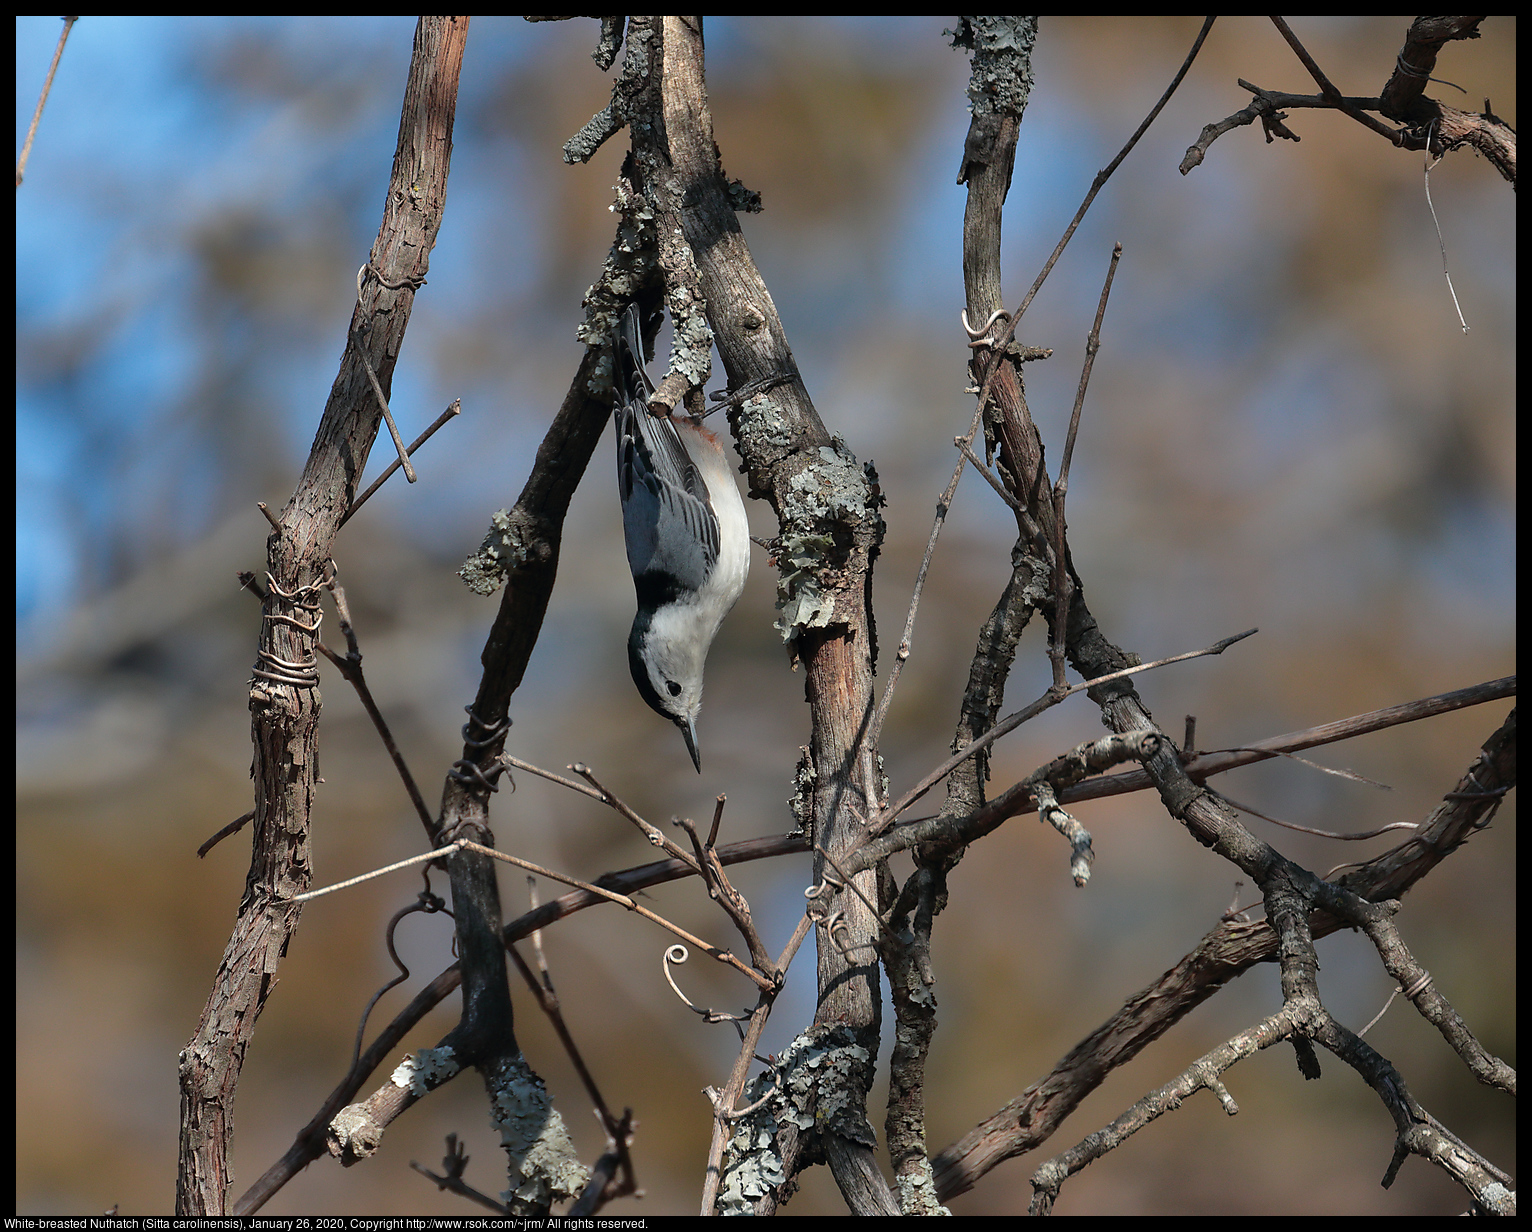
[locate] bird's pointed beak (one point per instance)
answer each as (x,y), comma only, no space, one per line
(689,731)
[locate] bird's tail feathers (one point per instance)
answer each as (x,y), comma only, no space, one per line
(628,359)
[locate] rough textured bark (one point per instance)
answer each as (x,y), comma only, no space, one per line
(284,698)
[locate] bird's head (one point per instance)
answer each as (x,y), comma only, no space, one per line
(666,658)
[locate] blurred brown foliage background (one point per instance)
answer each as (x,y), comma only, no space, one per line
(1285,428)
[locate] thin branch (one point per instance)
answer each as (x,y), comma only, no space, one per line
(1402,99)
(622,900)
(582,788)
(1018,798)
(1096,186)
(1049,1177)
(1015,506)
(1232,947)
(722,891)
(723,1104)
(452,411)
(423,858)
(403,454)
(1092,346)
(37,115)
(1332,95)
(1301,829)
(1063,583)
(1009,724)
(999,345)
(651,832)
(454,1163)
(1416,983)
(1205,765)
(350,667)
(943,505)
(284,703)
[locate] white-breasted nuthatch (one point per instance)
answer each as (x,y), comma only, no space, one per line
(687,538)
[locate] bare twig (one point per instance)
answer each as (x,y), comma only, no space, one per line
(582,788)
(454,1164)
(37,115)
(622,900)
(440,853)
(999,343)
(723,1104)
(388,415)
(1009,724)
(722,891)
(455,409)
(1063,583)
(234,827)
(1018,798)
(619,1131)
(1416,984)
(1402,100)
(350,666)
(1232,947)
(1096,186)
(653,833)
(1332,95)
(989,477)
(943,505)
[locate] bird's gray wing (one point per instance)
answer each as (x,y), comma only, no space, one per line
(628,376)
(667,521)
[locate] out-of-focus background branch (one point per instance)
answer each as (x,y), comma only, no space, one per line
(1285,428)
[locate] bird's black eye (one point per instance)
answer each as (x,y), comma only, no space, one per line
(675,689)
